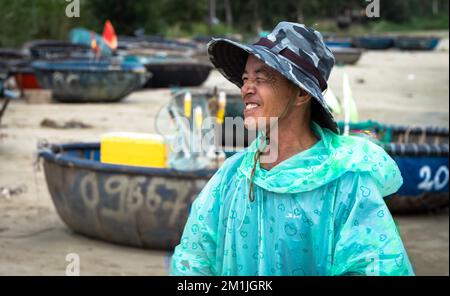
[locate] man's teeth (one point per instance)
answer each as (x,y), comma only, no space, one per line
(250,106)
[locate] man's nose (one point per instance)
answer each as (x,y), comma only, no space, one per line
(248,88)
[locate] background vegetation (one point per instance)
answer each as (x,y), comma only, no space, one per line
(24,20)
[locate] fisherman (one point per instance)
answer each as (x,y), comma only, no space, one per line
(316,208)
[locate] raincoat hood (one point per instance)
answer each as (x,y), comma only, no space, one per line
(330,158)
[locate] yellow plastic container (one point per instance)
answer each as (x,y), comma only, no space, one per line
(136,149)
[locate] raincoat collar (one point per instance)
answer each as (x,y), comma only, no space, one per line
(327,160)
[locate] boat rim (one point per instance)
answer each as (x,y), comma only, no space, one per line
(54,153)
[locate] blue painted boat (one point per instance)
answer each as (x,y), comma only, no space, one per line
(147,207)
(335,41)
(44,49)
(422,154)
(373,42)
(416,43)
(338,43)
(104,80)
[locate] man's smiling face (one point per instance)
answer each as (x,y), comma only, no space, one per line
(265,92)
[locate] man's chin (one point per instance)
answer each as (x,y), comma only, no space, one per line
(251,123)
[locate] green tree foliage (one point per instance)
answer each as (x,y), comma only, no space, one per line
(126,15)
(23,20)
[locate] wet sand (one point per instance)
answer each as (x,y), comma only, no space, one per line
(388,86)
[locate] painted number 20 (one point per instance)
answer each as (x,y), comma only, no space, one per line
(439,181)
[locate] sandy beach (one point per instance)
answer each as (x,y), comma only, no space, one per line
(410,88)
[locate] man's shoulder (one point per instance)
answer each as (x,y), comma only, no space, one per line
(350,178)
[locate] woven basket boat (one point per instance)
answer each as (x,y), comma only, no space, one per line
(90,80)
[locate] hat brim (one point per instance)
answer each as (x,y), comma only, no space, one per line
(230,58)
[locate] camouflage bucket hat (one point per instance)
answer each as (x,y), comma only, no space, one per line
(294,50)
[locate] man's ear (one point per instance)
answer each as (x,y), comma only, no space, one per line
(302,98)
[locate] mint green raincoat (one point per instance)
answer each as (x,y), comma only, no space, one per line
(320,212)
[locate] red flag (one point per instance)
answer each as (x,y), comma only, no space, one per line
(109,35)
